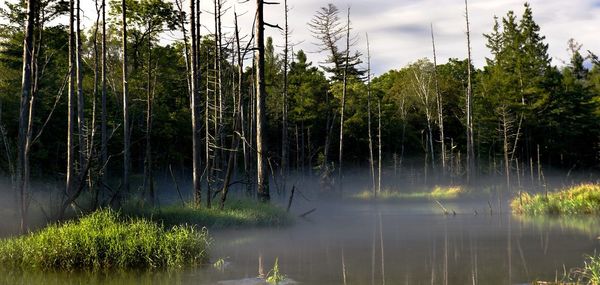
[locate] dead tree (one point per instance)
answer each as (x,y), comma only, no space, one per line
(195,104)
(148,175)
(71,104)
(104,115)
(469,105)
(90,143)
(506,129)
(237,118)
(262,177)
(328,30)
(440,106)
(24,113)
(371,162)
(81,128)
(126,124)
(379,148)
(284,117)
(343,103)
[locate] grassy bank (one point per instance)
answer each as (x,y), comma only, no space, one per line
(106,240)
(237,213)
(582,199)
(438,193)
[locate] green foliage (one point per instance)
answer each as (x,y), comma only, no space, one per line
(576,200)
(106,240)
(237,213)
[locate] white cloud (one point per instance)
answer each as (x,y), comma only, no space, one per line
(399,29)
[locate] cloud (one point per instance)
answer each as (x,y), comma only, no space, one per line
(399,29)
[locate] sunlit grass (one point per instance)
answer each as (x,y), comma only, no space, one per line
(438,192)
(237,213)
(106,240)
(576,200)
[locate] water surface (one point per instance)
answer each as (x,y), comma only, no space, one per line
(362,243)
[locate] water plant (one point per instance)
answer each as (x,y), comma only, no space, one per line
(275,276)
(219,264)
(575,200)
(106,240)
(592,269)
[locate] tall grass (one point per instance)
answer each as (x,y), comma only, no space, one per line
(237,213)
(105,240)
(576,200)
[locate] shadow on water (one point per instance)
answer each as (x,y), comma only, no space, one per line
(368,243)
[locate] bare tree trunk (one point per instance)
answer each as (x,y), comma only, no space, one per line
(104,115)
(186,46)
(380,145)
(505,143)
(262,176)
(371,162)
(469,105)
(403,113)
(91,146)
(440,106)
(25,114)
(237,120)
(72,115)
(126,124)
(148,179)
(284,117)
(208,139)
(80,99)
(343,107)
(329,126)
(195,106)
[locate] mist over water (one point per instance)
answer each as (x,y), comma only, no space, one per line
(346,241)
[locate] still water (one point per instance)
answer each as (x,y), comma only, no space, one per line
(406,243)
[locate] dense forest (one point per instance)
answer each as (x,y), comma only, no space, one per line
(112,109)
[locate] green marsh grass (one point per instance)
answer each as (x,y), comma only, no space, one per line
(106,240)
(583,199)
(438,193)
(237,213)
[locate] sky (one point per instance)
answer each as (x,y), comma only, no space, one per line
(399,30)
